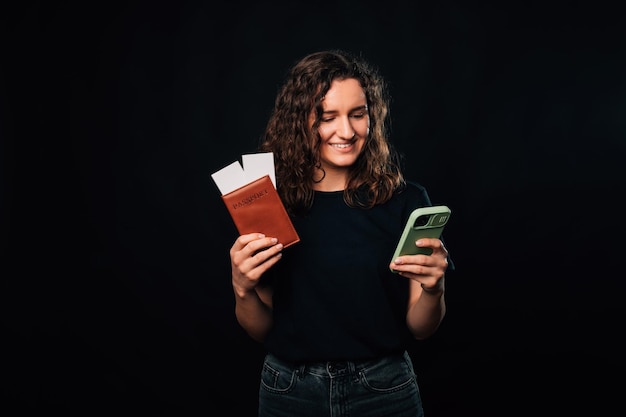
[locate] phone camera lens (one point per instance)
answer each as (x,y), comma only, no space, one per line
(421,221)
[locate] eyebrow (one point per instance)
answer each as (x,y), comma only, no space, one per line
(358,108)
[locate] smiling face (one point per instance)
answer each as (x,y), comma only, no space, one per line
(343,129)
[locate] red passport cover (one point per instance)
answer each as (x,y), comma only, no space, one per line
(257,208)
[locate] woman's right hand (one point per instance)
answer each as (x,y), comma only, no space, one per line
(250,256)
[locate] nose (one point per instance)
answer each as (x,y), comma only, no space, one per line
(346,131)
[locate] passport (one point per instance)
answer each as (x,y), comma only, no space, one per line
(256,207)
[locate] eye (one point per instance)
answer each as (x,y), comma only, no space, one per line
(359,115)
(327,119)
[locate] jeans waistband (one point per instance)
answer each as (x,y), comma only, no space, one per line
(341,367)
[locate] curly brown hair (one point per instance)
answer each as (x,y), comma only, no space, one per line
(376,174)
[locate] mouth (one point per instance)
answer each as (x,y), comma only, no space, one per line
(341,145)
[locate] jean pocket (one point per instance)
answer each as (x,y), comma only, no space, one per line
(389,375)
(277,377)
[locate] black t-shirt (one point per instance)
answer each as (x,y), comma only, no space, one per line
(334,295)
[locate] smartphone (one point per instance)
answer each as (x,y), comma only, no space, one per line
(422,222)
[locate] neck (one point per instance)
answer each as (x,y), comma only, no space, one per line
(332,181)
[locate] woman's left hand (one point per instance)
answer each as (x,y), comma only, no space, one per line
(428,270)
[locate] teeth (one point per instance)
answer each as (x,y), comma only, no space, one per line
(340,145)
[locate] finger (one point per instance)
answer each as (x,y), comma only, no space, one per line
(252,248)
(267,262)
(259,245)
(419,259)
(427,242)
(243,240)
(267,252)
(436,245)
(423,265)
(259,262)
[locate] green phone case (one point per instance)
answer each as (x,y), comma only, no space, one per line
(423,222)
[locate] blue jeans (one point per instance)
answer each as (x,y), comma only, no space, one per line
(377,388)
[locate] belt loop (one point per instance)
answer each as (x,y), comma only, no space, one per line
(351,367)
(301,370)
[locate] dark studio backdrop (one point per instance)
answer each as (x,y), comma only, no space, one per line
(116,278)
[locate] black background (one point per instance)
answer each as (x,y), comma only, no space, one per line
(116,291)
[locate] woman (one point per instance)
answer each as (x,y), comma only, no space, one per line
(334,318)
